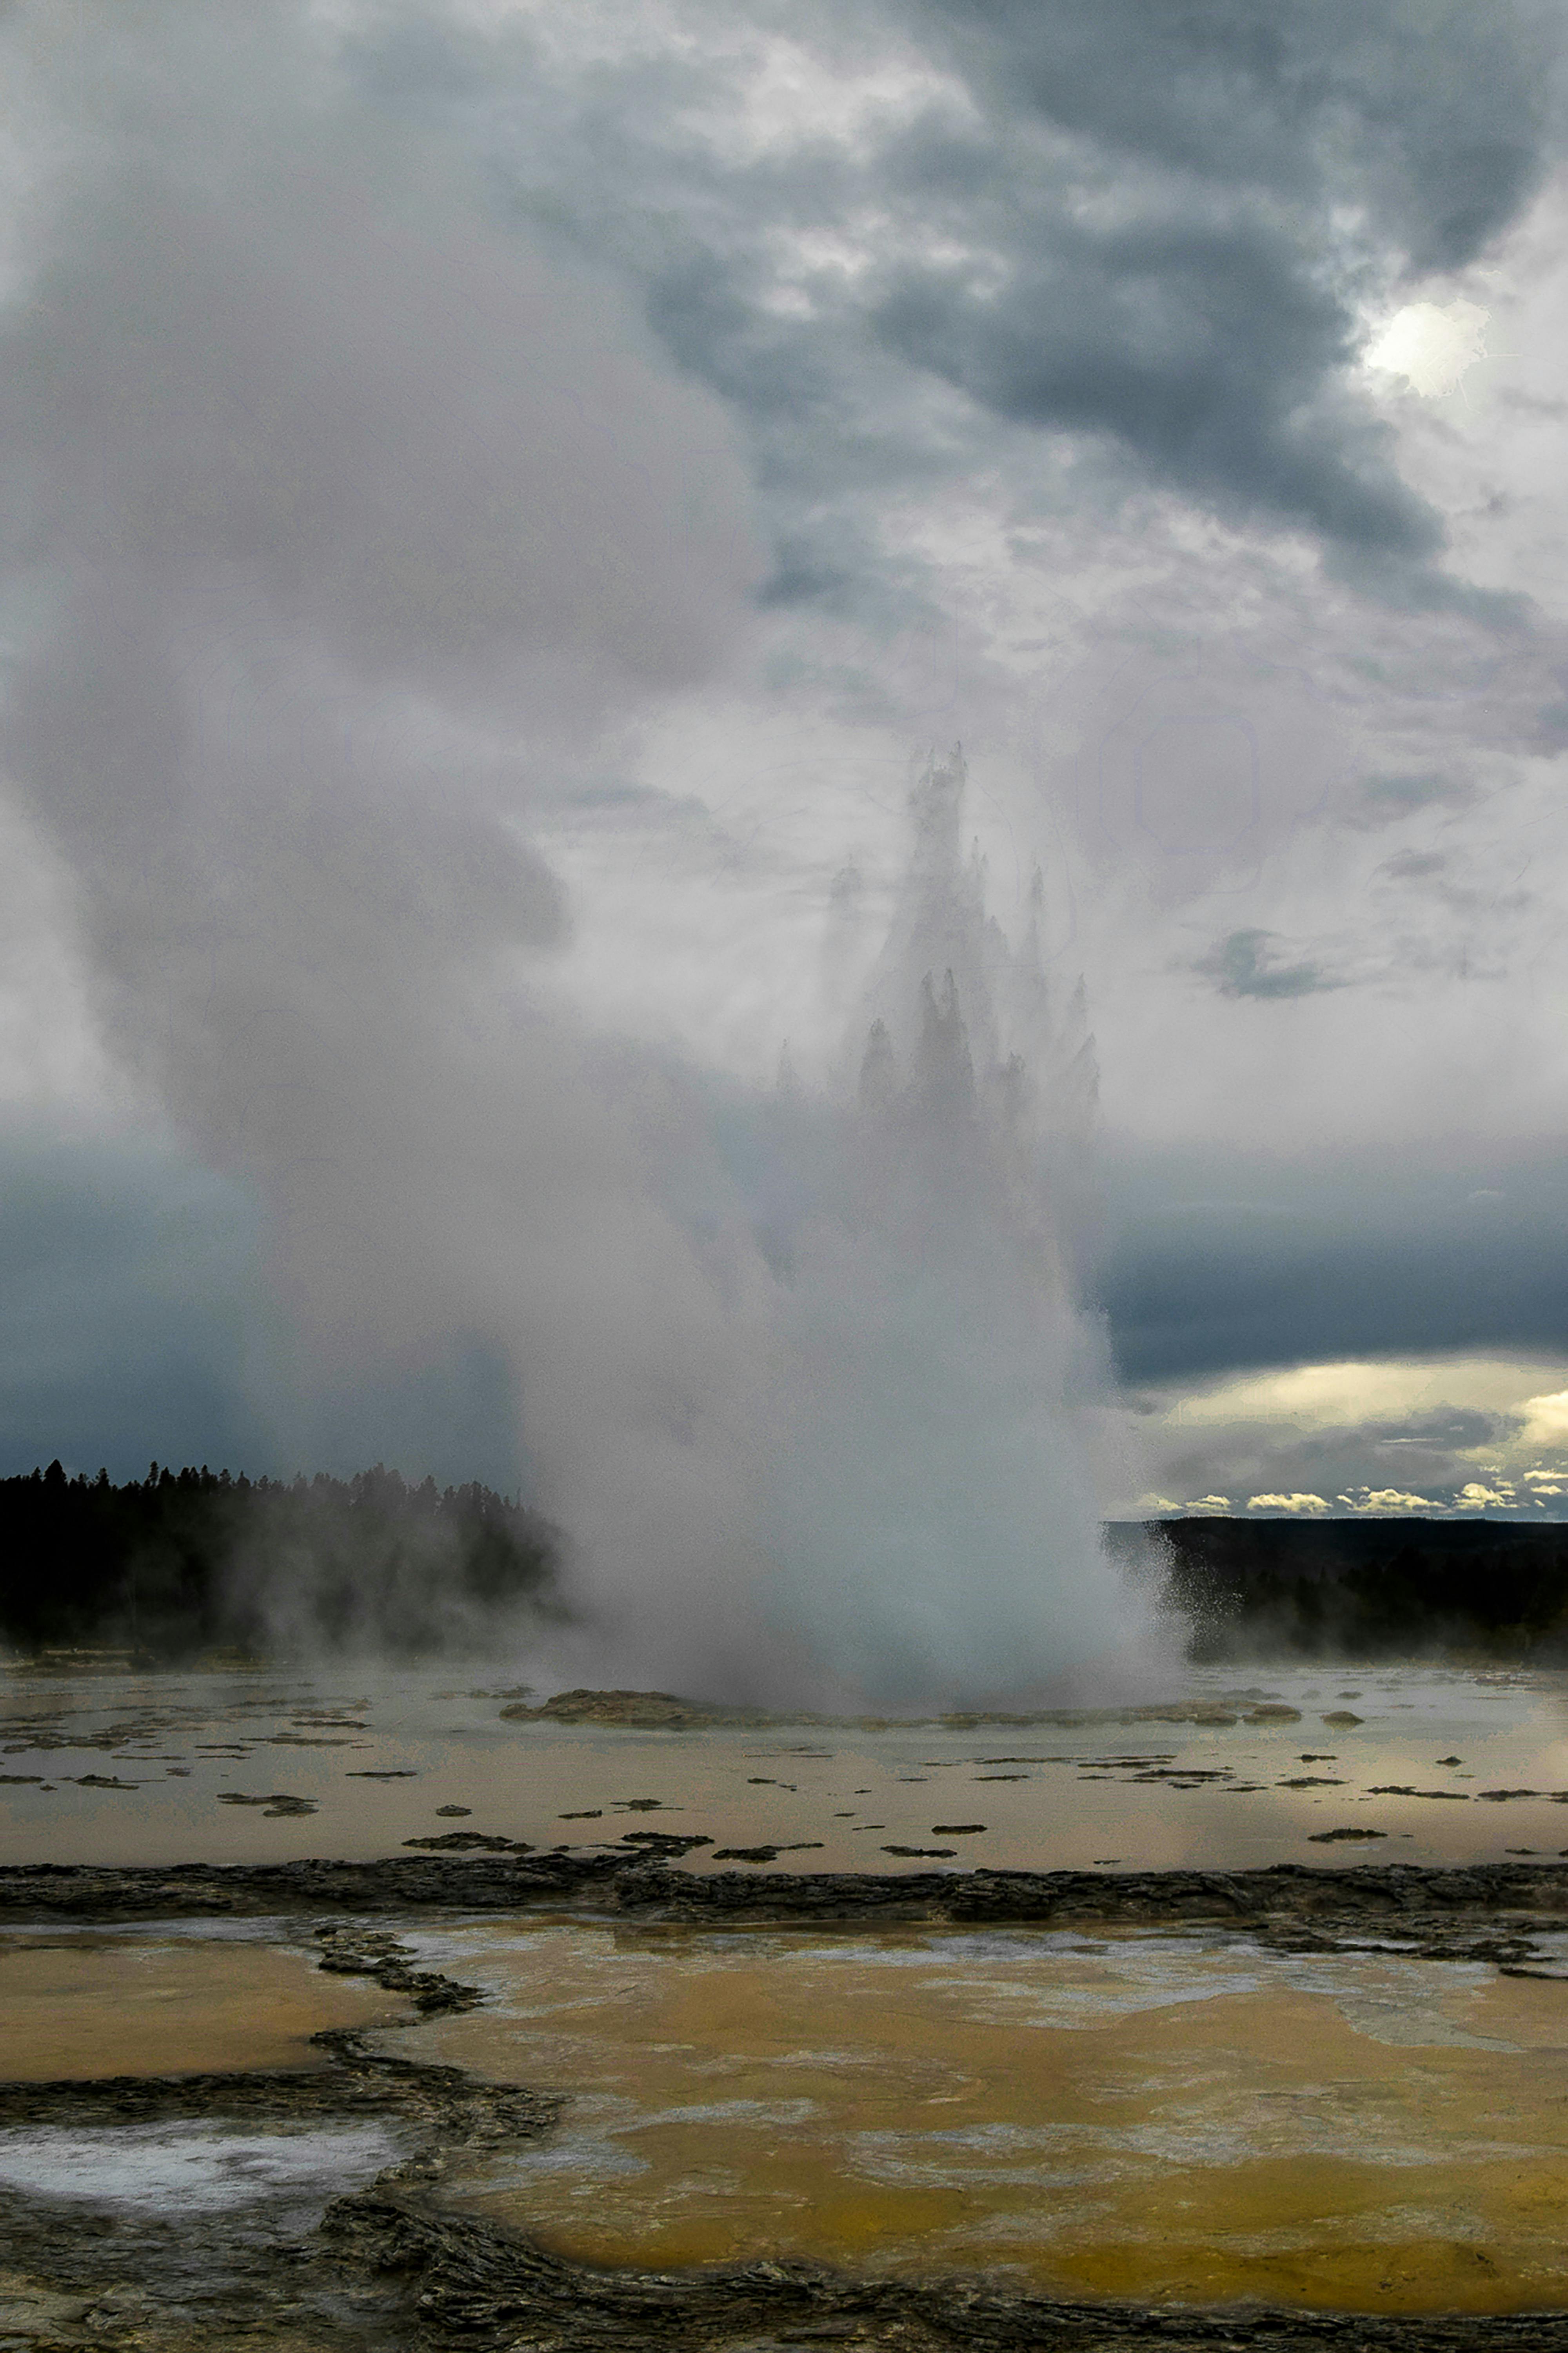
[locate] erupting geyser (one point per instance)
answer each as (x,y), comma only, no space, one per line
(926,1501)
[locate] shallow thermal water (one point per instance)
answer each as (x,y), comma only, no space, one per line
(1189,2118)
(161,1768)
(155,2001)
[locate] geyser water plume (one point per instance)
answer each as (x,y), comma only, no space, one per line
(927,1498)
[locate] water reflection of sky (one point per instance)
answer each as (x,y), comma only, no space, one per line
(369,1759)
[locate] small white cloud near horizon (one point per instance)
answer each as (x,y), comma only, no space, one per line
(1476,1496)
(1297,1506)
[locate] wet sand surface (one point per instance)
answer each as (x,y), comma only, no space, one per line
(79,2006)
(1418,1765)
(1196,2120)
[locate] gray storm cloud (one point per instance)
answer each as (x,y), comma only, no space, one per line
(1108,248)
(1189,307)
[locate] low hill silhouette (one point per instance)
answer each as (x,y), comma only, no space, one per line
(1363,1587)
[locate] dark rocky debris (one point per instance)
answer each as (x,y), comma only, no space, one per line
(371,1952)
(279,1802)
(637,1877)
(468,1841)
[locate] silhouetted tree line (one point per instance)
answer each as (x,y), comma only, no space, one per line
(1365,1588)
(187,1561)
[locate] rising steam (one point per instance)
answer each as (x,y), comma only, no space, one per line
(336,518)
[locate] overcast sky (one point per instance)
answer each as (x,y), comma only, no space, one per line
(501,498)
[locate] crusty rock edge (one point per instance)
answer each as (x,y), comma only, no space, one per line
(1403,1899)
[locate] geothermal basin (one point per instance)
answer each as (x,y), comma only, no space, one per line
(1247,2009)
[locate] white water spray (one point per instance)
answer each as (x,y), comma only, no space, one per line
(927,1500)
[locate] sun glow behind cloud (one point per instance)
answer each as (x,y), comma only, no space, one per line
(1432,345)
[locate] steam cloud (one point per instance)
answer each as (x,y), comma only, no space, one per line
(335,519)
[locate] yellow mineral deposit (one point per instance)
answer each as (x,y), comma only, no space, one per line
(74,2007)
(1158,2118)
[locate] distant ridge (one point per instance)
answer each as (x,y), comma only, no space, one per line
(1364,1587)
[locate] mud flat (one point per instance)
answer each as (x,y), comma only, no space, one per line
(192,2218)
(647,1710)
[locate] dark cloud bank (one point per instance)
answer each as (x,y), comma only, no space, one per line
(1217,1263)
